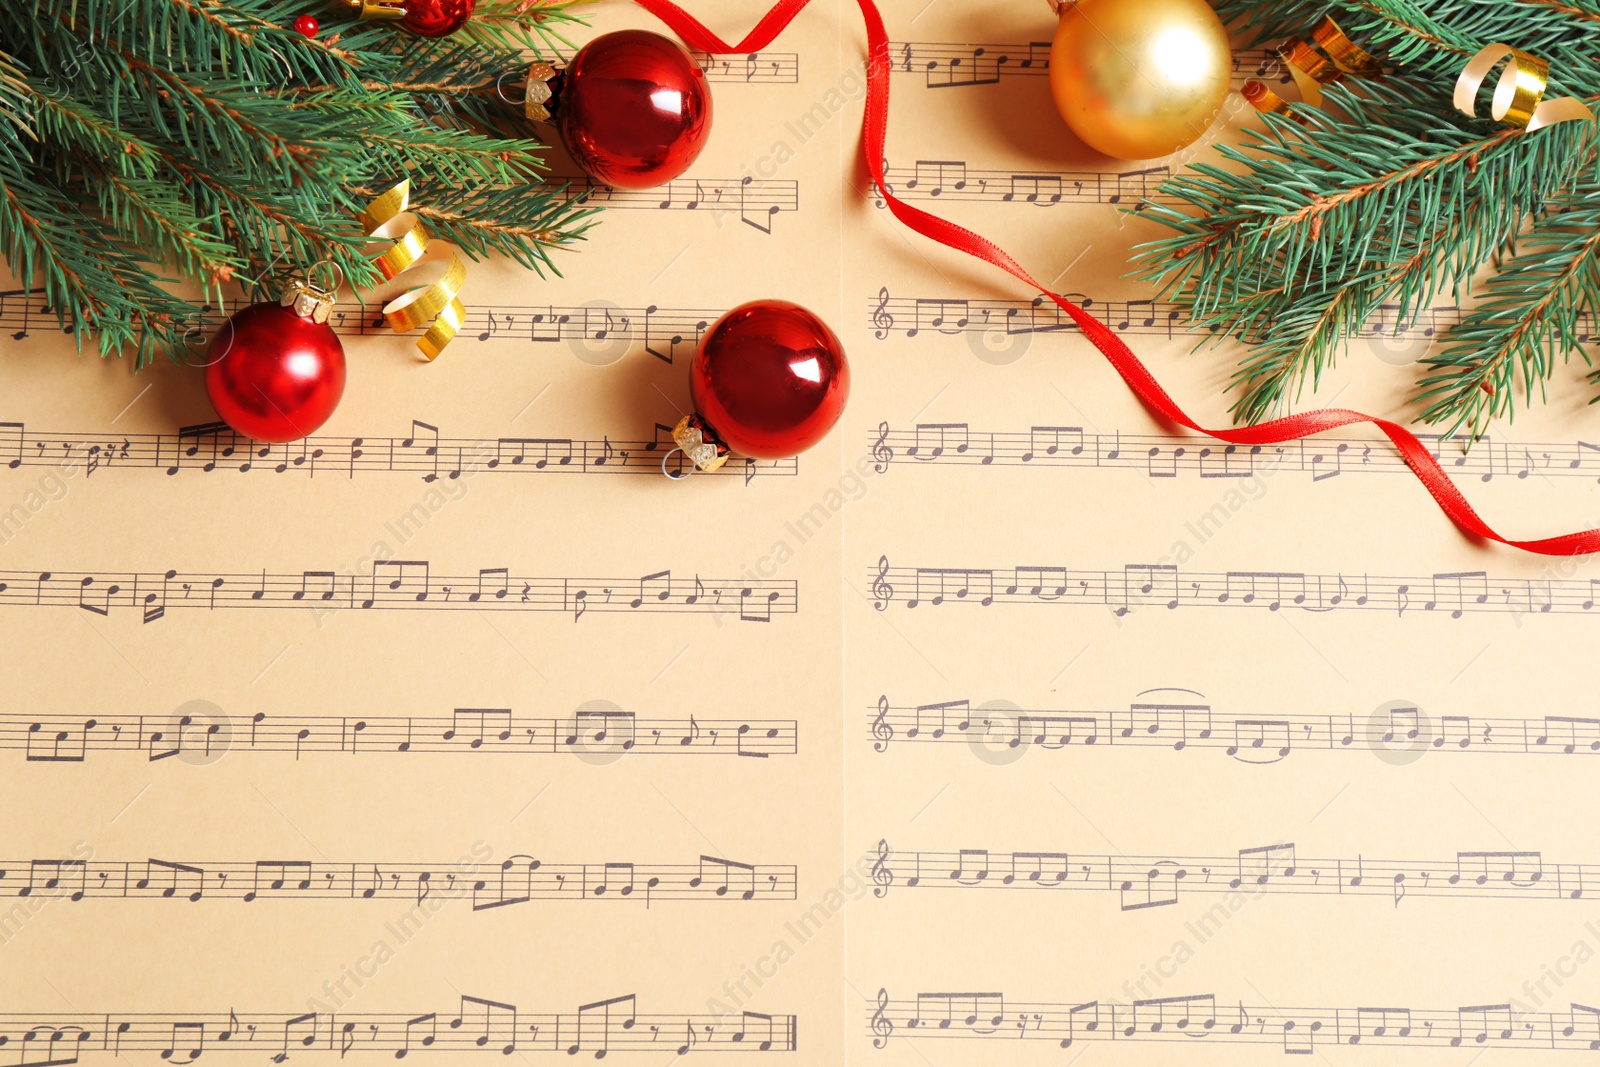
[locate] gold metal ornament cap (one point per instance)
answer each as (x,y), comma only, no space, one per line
(538,92)
(307,300)
(378,9)
(700,443)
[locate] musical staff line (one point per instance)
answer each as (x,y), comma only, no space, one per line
(1169,455)
(953,179)
(757,202)
(664,333)
(1142,882)
(518,880)
(405,585)
(953,65)
(1140,586)
(1182,719)
(486,731)
(424,451)
(479,1025)
(754,68)
(1297,1031)
(924,316)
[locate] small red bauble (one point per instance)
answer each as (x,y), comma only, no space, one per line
(306,25)
(633,108)
(281,372)
(437,18)
(769,380)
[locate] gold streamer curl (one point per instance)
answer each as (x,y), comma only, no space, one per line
(1328,57)
(1519,95)
(389,217)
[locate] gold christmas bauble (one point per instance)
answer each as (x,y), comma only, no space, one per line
(1137,79)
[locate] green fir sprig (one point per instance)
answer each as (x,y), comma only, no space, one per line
(150,148)
(1385,198)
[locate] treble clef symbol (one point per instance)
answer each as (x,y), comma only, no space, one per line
(882,321)
(881,730)
(881,452)
(882,876)
(881,1026)
(882,591)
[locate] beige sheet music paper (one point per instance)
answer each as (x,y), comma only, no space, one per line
(1004,727)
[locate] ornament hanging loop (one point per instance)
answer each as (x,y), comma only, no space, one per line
(684,469)
(500,86)
(337,275)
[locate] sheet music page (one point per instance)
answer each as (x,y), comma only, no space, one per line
(457,727)
(1166,751)
(1007,725)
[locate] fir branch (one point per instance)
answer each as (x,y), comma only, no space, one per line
(209,137)
(501,221)
(1314,228)
(14,95)
(147,214)
(531,24)
(89,134)
(1540,306)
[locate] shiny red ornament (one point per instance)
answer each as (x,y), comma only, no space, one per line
(306,25)
(633,108)
(437,18)
(279,374)
(769,380)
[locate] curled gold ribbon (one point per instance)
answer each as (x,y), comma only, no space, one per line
(1519,94)
(1329,56)
(390,217)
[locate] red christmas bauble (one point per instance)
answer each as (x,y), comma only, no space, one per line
(306,25)
(769,379)
(280,375)
(634,109)
(437,18)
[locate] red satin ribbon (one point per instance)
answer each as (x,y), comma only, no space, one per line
(1138,377)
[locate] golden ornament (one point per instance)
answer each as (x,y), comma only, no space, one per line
(1138,79)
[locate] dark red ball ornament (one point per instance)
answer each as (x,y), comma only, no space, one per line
(278,371)
(306,25)
(769,380)
(632,107)
(437,18)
